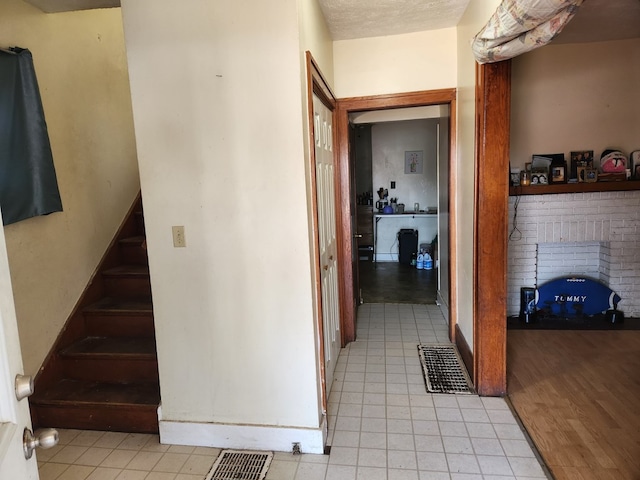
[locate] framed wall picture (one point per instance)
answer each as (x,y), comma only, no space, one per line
(413,162)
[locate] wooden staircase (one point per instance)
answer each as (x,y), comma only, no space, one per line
(102,373)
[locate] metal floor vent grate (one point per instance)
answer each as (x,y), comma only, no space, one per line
(443,369)
(240,465)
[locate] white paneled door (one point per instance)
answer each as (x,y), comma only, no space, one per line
(328,251)
(14,413)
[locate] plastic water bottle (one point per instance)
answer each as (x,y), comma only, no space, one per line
(428,262)
(420,261)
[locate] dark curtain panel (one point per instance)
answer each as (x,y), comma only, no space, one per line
(28,185)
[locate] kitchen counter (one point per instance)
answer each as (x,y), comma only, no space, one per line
(377,216)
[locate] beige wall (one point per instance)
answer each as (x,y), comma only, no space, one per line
(81,67)
(217,100)
(395,64)
(575,97)
(474,18)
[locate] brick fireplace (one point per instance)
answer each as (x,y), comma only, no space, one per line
(593,234)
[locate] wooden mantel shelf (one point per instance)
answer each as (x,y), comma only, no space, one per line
(576,188)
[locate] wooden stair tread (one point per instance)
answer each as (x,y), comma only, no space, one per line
(120,346)
(67,391)
(132,270)
(135,240)
(120,306)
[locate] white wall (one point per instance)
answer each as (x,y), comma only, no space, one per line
(395,64)
(474,18)
(390,141)
(575,97)
(217,102)
(81,67)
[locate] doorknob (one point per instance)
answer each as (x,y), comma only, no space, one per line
(23,386)
(44,438)
(326,267)
(357,235)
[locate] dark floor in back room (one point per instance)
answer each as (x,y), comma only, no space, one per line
(393,282)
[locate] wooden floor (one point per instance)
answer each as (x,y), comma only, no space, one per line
(578,395)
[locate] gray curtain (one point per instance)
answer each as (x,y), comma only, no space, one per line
(28,184)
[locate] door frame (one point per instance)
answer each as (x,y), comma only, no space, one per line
(316,84)
(345,106)
(493,112)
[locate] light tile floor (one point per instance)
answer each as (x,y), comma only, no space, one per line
(383,425)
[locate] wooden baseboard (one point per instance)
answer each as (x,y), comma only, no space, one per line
(465,352)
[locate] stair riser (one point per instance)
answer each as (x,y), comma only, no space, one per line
(110,369)
(138,419)
(140,223)
(134,254)
(120,326)
(127,286)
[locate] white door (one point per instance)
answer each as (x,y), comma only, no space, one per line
(14,413)
(325,192)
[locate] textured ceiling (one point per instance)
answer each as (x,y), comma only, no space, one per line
(596,20)
(349,19)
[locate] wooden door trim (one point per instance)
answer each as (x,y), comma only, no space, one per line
(493,109)
(345,106)
(316,84)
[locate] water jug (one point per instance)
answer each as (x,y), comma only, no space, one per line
(428,262)
(420,261)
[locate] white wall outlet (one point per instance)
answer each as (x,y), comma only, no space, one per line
(178,236)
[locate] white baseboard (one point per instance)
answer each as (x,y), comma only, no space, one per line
(245,437)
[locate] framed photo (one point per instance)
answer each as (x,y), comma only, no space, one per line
(413,162)
(634,163)
(591,175)
(580,158)
(558,174)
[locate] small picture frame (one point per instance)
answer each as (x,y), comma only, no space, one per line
(413,162)
(580,158)
(581,169)
(558,174)
(634,162)
(591,175)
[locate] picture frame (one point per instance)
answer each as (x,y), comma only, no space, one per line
(413,162)
(591,175)
(634,163)
(558,174)
(580,158)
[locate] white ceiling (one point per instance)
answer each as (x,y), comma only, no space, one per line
(597,20)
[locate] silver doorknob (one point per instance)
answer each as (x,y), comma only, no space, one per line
(357,235)
(23,386)
(43,438)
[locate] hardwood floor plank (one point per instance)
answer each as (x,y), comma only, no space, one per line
(578,395)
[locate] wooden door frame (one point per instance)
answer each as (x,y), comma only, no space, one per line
(316,84)
(493,111)
(345,106)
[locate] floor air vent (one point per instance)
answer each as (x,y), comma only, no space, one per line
(443,369)
(240,465)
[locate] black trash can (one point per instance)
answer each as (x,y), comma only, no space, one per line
(528,304)
(407,244)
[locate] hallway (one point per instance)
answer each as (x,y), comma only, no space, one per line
(383,425)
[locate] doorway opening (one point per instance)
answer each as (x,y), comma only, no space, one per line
(401,166)
(389,114)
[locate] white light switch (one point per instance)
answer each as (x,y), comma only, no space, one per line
(178,236)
